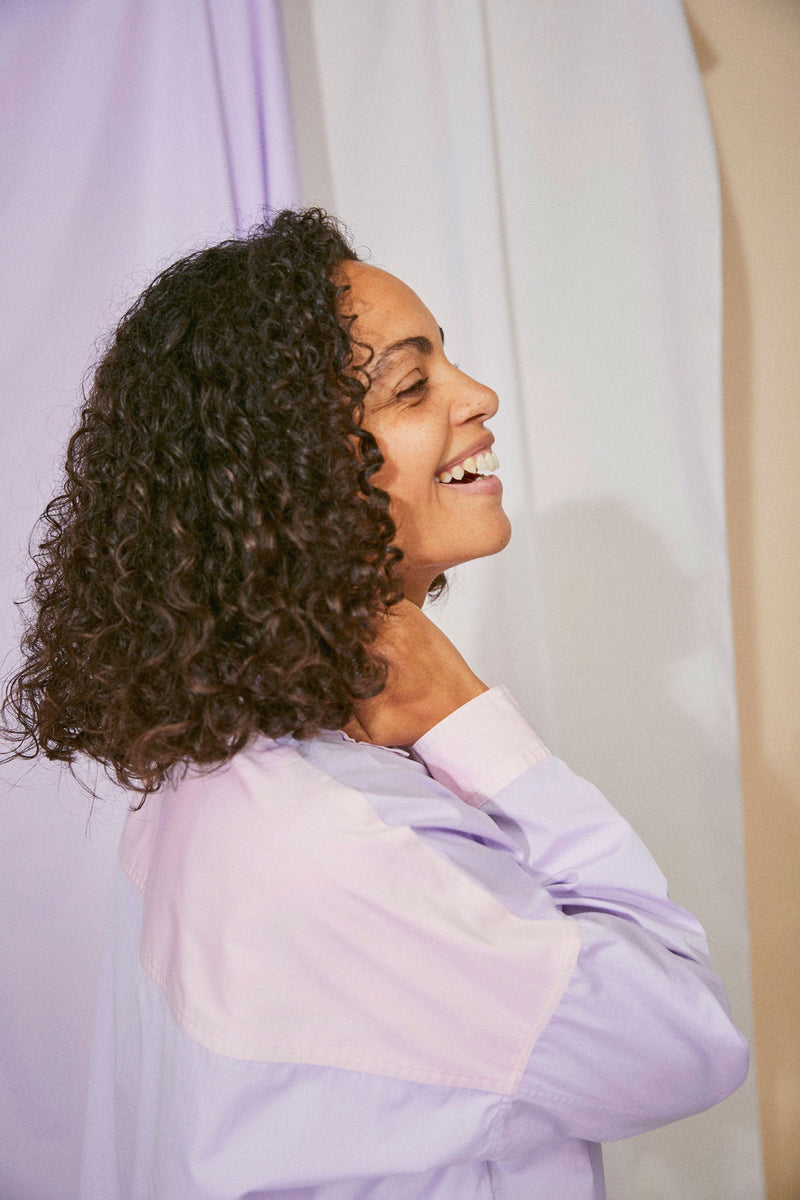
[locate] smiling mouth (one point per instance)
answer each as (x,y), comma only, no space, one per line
(470,468)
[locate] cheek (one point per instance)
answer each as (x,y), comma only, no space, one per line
(408,467)
(415,515)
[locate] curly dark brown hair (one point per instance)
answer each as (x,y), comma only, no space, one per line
(216,559)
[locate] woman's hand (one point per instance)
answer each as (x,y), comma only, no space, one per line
(428,679)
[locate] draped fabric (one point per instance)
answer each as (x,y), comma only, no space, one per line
(543,174)
(135,131)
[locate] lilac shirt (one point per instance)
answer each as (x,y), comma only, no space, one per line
(348,972)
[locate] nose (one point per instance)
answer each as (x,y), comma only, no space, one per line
(472,401)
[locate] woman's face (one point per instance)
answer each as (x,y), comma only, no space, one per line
(428,419)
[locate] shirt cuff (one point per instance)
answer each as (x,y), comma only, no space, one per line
(480,748)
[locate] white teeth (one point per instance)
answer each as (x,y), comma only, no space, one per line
(479,464)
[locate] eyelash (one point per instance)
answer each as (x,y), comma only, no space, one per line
(416,388)
(419,387)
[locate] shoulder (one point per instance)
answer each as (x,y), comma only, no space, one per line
(286,920)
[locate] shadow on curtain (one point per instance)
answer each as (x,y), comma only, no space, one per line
(544,176)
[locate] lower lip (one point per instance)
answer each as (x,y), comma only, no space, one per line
(484,485)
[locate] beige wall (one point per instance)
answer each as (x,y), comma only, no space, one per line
(749,52)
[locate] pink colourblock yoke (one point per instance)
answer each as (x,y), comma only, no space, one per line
(348,972)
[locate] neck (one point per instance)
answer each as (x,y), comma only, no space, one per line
(416,584)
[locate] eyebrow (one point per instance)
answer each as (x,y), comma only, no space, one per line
(417,342)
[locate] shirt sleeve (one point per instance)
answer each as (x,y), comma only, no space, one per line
(642,1034)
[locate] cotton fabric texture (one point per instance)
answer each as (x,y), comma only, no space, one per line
(343,970)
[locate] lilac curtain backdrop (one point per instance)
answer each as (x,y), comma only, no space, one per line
(133,131)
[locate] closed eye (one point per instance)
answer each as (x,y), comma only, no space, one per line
(416,388)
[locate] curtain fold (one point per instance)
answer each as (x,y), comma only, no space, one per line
(136,130)
(544,176)
(253,103)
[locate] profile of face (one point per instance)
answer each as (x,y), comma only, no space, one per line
(429,420)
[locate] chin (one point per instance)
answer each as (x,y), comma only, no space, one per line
(484,549)
(421,565)
(506,536)
(499,542)
(491,541)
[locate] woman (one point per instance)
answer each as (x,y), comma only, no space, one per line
(372,940)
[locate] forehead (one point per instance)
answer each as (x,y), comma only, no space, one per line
(386,309)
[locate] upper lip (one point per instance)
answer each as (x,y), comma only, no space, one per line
(486,443)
